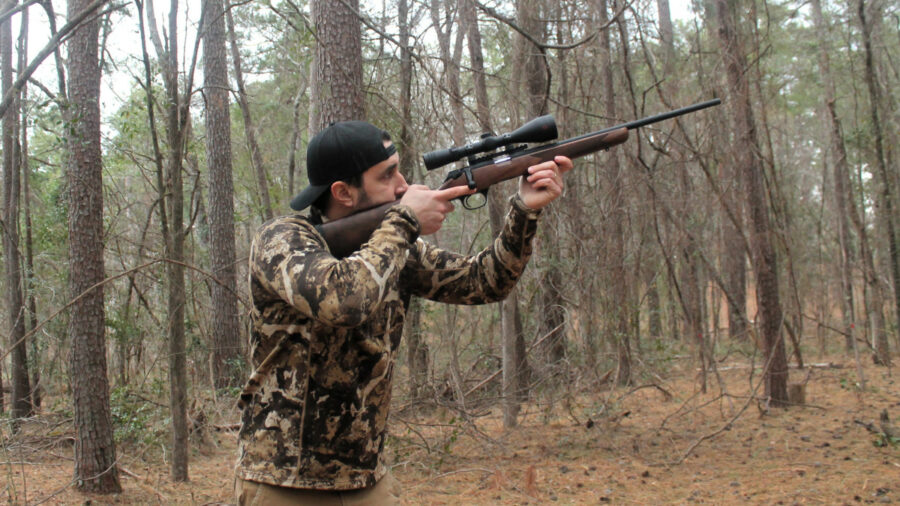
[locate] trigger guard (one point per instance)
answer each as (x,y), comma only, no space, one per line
(475,200)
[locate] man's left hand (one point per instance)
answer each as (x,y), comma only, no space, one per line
(544,182)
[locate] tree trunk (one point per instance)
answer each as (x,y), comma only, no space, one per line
(552,315)
(841,176)
(20,403)
(516,375)
(745,147)
(249,129)
(417,352)
(516,369)
(295,139)
(337,83)
(171,188)
(450,58)
(845,206)
(693,307)
(654,308)
(35,360)
(95,450)
(884,205)
(225,359)
(417,348)
(450,61)
(617,294)
(734,259)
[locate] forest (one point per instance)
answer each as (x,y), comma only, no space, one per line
(719,280)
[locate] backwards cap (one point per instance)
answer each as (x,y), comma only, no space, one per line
(339,152)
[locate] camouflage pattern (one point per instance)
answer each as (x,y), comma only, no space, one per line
(325,334)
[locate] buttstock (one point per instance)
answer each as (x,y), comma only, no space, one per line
(346,235)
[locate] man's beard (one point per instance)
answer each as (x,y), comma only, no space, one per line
(364,202)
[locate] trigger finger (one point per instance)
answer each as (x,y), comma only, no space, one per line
(455,192)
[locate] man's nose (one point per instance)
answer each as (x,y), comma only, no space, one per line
(402,186)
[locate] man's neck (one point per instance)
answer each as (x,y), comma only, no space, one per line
(336,212)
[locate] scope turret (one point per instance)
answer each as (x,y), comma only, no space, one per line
(540,129)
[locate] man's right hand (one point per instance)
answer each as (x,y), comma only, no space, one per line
(432,206)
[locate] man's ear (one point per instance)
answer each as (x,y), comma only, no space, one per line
(343,194)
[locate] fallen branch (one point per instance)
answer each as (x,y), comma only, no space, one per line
(126,472)
(729,423)
(823,365)
(868,426)
(496,373)
(666,394)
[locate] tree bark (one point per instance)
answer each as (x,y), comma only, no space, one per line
(884,205)
(536,81)
(617,306)
(28,278)
(844,204)
(249,128)
(95,450)
(171,187)
(225,359)
(337,86)
(745,147)
(450,59)
(417,348)
(295,139)
(20,402)
(733,256)
(516,373)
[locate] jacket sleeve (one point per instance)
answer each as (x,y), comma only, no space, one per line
(488,276)
(290,260)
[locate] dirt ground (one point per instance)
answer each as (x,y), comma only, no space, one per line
(618,446)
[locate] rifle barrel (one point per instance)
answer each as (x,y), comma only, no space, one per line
(671,114)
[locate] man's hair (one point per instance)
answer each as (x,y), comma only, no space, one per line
(321,203)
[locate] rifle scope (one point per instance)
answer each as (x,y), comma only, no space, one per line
(540,129)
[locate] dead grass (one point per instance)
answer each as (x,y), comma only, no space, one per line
(619,446)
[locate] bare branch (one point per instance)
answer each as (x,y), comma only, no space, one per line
(51,46)
(9,12)
(542,45)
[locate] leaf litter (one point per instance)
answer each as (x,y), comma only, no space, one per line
(597,444)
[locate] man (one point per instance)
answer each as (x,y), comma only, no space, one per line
(325,331)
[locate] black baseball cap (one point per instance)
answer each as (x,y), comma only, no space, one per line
(339,152)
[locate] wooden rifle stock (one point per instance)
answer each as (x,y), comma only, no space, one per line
(346,235)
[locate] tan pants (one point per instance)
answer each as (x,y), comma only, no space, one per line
(250,493)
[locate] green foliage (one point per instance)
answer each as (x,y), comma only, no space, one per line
(883,441)
(849,383)
(122,328)
(449,440)
(135,419)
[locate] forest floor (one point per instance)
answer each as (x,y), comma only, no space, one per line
(613,445)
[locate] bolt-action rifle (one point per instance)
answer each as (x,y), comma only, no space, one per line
(492,159)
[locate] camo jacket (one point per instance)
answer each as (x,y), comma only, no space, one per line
(325,334)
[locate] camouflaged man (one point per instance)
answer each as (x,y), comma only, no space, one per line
(325,331)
